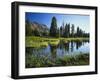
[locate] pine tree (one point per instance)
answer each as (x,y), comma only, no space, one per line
(78,30)
(28,30)
(72,30)
(53,28)
(61,31)
(68,29)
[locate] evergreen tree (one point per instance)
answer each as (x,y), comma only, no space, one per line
(72,30)
(80,33)
(78,30)
(66,33)
(58,33)
(53,28)
(61,31)
(36,32)
(28,30)
(68,29)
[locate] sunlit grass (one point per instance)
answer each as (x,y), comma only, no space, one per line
(37,44)
(33,41)
(54,43)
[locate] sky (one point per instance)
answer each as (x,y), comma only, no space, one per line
(83,21)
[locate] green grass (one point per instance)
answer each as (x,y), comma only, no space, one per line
(37,44)
(35,61)
(33,41)
(74,39)
(54,43)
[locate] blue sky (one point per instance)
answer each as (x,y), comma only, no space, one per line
(83,21)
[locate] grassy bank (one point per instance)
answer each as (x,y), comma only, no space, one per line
(35,61)
(32,41)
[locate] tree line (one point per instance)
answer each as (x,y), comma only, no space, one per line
(67,30)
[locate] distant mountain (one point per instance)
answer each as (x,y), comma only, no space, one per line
(32,26)
(40,27)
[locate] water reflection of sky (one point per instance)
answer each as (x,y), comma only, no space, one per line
(84,48)
(70,49)
(81,50)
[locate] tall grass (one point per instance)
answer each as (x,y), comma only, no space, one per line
(33,61)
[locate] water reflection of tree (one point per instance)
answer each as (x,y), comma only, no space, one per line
(53,50)
(67,47)
(28,50)
(61,46)
(78,44)
(64,47)
(72,46)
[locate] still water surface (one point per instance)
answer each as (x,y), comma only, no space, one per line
(70,48)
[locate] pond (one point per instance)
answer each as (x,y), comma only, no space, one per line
(51,53)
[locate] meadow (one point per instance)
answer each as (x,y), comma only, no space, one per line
(33,41)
